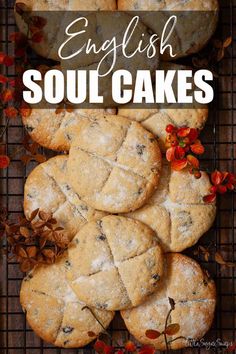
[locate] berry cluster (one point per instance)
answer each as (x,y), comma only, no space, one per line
(182,145)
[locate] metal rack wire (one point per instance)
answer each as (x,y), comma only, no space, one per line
(219,136)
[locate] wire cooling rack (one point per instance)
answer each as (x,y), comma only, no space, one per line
(220,138)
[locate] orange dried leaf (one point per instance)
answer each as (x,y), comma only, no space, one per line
(179,165)
(220,260)
(44,216)
(227,42)
(22,253)
(32,251)
(152,334)
(49,253)
(24,231)
(21,8)
(211,198)
(193,161)
(197,149)
(25,266)
(172,329)
(34,214)
(170,154)
(183,132)
(216,177)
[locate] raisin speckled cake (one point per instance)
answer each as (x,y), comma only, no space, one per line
(114,164)
(176,211)
(156,119)
(115,263)
(55,129)
(47,188)
(53,37)
(191,34)
(54,312)
(194,295)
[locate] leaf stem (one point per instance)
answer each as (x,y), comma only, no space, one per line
(5,128)
(96,318)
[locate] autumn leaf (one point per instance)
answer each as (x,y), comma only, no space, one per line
(32,251)
(31,246)
(179,165)
(193,161)
(152,334)
(24,232)
(227,42)
(211,198)
(172,329)
(183,132)
(220,260)
(170,154)
(216,177)
(197,149)
(21,8)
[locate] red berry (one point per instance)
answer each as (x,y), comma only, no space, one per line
(230,186)
(221,189)
(197,174)
(213,189)
(170,128)
(174,143)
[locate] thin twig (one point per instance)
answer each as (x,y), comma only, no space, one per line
(165,336)
(180,337)
(5,128)
(93,314)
